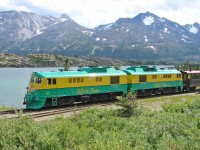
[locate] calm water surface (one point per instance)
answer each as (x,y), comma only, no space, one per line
(13,83)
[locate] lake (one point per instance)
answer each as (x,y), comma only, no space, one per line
(13,83)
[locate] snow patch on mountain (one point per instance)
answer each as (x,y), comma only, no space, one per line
(184,36)
(106,27)
(155,50)
(162,20)
(63,19)
(183,40)
(145,38)
(161,36)
(94,49)
(148,20)
(193,30)
(165,30)
(38,32)
(88,33)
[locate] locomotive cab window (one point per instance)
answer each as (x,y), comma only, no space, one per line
(98,79)
(49,81)
(154,76)
(54,81)
(38,80)
(32,79)
(142,78)
(178,75)
(70,80)
(114,80)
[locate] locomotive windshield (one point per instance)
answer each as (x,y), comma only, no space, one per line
(32,78)
(38,80)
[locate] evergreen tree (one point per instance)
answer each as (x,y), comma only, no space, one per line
(128,105)
(66,67)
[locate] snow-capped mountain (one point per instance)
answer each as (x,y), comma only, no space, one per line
(66,37)
(23,32)
(144,28)
(145,36)
(16,27)
(148,35)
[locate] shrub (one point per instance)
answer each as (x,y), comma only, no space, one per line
(128,105)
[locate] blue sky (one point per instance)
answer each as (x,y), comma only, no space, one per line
(91,13)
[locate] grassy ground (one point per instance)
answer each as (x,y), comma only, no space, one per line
(156,104)
(5,108)
(175,127)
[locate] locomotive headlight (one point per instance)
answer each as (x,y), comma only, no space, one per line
(32,89)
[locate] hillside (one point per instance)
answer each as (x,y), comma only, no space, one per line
(46,60)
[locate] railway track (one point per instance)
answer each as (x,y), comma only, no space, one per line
(13,114)
(14,111)
(67,110)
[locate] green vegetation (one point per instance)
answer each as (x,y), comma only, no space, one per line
(67,65)
(2,59)
(36,60)
(128,105)
(176,126)
(5,108)
(188,66)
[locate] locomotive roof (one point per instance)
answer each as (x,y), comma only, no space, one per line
(149,70)
(84,72)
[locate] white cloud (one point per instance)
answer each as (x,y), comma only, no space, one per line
(91,13)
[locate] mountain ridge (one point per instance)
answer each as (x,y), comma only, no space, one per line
(144,37)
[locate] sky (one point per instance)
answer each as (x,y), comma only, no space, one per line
(91,13)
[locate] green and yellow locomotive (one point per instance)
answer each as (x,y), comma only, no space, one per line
(145,81)
(92,84)
(47,89)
